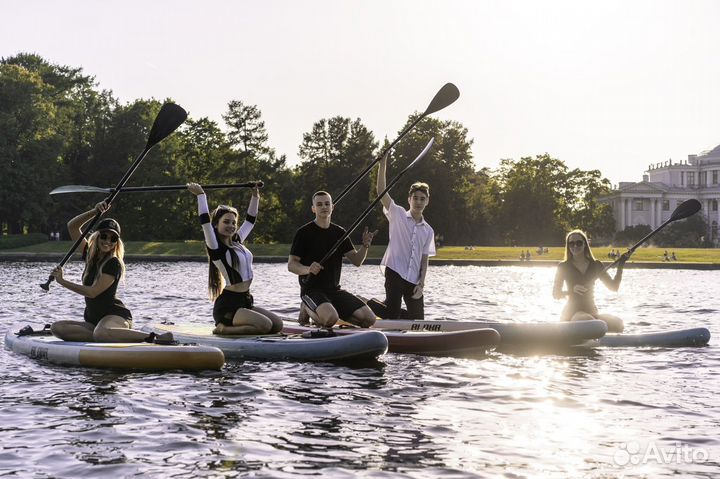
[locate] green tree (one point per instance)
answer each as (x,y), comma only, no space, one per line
(252,158)
(585,210)
(449,170)
(80,116)
(631,235)
(333,154)
(532,207)
(30,146)
(690,232)
(535,201)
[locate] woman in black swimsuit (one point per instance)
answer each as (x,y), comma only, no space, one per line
(579,271)
(106,319)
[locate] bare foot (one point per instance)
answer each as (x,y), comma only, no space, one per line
(303,316)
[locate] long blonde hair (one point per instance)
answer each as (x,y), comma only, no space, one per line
(216,282)
(586,250)
(92,254)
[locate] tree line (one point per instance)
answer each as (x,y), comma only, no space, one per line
(58,127)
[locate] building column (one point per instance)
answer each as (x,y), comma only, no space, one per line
(621,211)
(653,204)
(708,218)
(717,217)
(628,214)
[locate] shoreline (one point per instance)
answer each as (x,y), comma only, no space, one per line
(133,258)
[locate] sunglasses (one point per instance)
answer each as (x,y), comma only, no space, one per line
(576,243)
(112,238)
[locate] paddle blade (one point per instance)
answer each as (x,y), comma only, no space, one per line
(685,209)
(446,96)
(170,117)
(78,189)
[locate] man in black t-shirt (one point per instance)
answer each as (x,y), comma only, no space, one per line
(320,283)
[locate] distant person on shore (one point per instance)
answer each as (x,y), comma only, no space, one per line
(408,252)
(579,271)
(322,298)
(230,268)
(673,257)
(528,257)
(522,255)
(106,319)
(665,256)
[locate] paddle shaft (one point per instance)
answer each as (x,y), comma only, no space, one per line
(367,169)
(219,186)
(684,210)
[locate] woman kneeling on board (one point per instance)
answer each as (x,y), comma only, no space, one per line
(579,271)
(106,317)
(230,264)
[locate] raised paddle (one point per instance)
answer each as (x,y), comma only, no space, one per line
(141,189)
(367,211)
(684,210)
(443,98)
(170,117)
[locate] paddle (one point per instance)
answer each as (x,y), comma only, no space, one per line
(141,189)
(684,210)
(168,119)
(443,98)
(367,211)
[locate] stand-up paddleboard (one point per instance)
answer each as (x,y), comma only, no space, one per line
(664,339)
(135,356)
(521,335)
(281,347)
(456,343)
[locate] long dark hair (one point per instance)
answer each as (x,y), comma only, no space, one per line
(216,283)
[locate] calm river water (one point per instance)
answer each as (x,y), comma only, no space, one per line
(607,413)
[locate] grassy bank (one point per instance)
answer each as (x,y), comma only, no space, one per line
(195,248)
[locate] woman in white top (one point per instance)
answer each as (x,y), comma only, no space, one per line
(230,268)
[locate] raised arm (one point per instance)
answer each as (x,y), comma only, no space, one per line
(204,213)
(613,284)
(75,225)
(357,256)
(252,212)
(381,181)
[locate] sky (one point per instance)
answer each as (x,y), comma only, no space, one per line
(609,85)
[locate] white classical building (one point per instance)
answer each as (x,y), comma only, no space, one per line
(666,185)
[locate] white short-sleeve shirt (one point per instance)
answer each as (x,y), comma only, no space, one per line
(409,241)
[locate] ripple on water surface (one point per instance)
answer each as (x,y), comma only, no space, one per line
(506,415)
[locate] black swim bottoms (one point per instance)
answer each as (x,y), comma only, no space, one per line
(227,304)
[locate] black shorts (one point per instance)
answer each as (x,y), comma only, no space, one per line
(345,303)
(227,304)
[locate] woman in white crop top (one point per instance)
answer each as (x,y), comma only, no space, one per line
(230,268)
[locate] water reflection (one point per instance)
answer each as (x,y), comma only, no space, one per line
(559,414)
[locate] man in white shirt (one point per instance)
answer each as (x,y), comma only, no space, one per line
(412,242)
